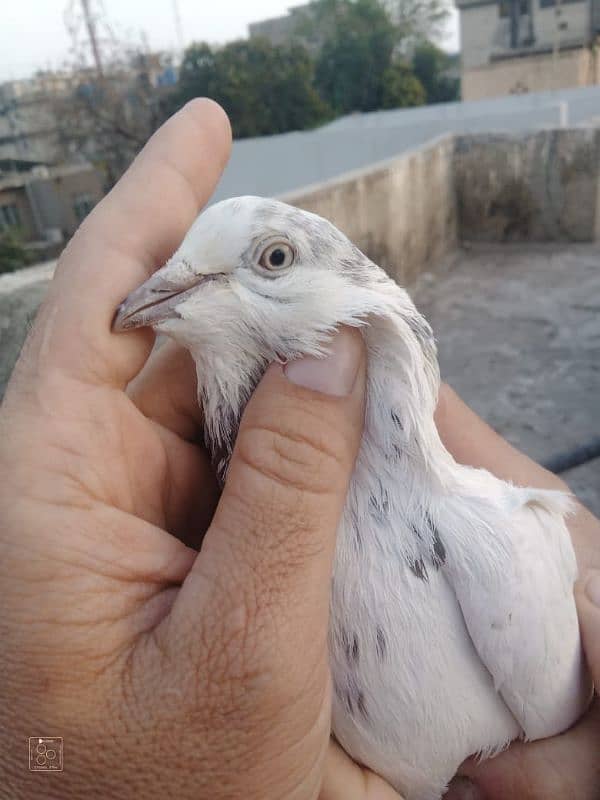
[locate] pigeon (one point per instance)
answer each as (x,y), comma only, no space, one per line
(453,628)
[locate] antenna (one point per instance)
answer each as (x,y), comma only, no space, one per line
(90,25)
(178,25)
(90,32)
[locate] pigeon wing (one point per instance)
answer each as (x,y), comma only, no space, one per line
(514,583)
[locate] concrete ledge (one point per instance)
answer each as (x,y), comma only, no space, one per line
(543,186)
(402,213)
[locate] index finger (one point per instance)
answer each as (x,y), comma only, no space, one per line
(131,232)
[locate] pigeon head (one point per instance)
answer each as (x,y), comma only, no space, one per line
(257,280)
(256,275)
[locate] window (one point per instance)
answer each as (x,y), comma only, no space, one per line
(505,6)
(9,217)
(82,205)
(552,3)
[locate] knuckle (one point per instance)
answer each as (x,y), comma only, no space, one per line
(302,457)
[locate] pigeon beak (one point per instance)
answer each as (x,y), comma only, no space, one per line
(157,298)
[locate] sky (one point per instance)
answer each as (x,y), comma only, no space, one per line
(33,34)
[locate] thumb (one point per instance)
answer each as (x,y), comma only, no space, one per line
(266,559)
(247,633)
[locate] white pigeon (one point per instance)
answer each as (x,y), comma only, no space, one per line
(453,627)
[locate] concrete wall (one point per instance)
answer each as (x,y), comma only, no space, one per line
(544,186)
(572,22)
(19,302)
(270,165)
(478,25)
(401,213)
(532,73)
(275,164)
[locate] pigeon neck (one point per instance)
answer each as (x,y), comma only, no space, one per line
(403,383)
(402,392)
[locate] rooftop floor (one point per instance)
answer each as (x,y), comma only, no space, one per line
(518,330)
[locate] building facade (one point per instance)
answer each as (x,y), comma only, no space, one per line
(279,30)
(28,126)
(32,110)
(518,46)
(294,27)
(45,205)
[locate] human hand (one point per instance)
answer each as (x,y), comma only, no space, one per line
(167,673)
(156,688)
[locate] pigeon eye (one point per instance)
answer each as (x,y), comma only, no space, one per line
(277,256)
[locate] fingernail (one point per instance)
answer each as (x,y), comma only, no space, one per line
(592,588)
(336,373)
(463,789)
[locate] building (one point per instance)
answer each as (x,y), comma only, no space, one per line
(413,18)
(45,205)
(279,30)
(32,110)
(28,125)
(519,46)
(292,26)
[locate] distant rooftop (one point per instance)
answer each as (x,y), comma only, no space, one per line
(16,178)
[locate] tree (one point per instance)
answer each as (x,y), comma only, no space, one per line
(264,89)
(359,40)
(13,253)
(108,118)
(401,87)
(431,65)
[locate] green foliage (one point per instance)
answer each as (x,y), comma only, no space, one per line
(430,65)
(13,254)
(401,87)
(350,64)
(356,52)
(264,89)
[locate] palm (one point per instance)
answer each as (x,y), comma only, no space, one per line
(117,515)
